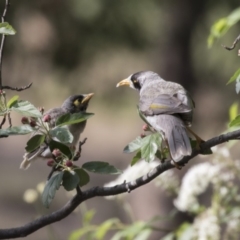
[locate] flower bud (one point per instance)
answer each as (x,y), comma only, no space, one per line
(25,120)
(145,127)
(46,118)
(143,135)
(33,123)
(50,162)
(69,163)
(56,152)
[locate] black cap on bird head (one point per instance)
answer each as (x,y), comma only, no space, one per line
(77,103)
(137,80)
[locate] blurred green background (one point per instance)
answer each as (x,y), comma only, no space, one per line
(82,46)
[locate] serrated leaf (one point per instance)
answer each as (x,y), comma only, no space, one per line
(234,77)
(83,176)
(133,146)
(68,118)
(34,142)
(150,145)
(7,29)
(62,134)
(62,147)
(70,180)
(26,108)
(235,121)
(136,158)
(19,130)
(101,167)
(12,101)
(51,187)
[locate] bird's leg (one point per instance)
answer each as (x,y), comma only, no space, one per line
(176,165)
(198,139)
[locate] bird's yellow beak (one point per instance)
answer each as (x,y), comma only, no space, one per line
(87,98)
(124,82)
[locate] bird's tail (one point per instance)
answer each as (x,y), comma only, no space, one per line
(174,132)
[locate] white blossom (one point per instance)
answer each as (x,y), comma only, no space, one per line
(206,226)
(195,182)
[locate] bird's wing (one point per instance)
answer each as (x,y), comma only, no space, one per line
(55,113)
(164,104)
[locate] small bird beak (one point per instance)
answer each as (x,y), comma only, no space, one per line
(87,98)
(124,82)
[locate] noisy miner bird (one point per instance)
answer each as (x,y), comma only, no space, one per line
(167,107)
(73,104)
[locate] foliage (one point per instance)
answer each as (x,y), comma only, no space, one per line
(221,26)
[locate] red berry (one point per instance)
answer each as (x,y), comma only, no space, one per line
(69,163)
(24,120)
(56,152)
(143,135)
(46,118)
(50,162)
(33,123)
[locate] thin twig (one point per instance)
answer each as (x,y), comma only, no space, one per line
(233,45)
(16,88)
(51,173)
(78,153)
(3,121)
(7,3)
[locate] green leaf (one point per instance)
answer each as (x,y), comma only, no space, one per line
(235,121)
(150,145)
(62,147)
(234,77)
(104,228)
(70,180)
(83,176)
(26,108)
(7,29)
(62,134)
(101,167)
(233,111)
(76,235)
(136,158)
(51,187)
(12,101)
(34,142)
(20,130)
(68,118)
(133,146)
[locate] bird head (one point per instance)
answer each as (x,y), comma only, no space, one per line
(77,103)
(137,80)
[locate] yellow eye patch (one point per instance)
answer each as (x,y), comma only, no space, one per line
(77,102)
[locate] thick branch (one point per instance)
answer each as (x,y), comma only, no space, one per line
(109,191)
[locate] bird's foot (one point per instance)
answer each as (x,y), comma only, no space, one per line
(176,165)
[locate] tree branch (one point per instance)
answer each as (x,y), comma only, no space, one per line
(109,191)
(233,45)
(7,3)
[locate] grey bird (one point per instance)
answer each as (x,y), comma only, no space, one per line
(167,107)
(73,104)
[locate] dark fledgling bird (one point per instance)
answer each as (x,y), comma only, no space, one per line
(73,104)
(168,107)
